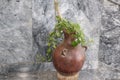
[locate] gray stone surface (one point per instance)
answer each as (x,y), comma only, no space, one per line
(26,67)
(112,5)
(15,31)
(43,22)
(46,71)
(107,72)
(109,50)
(104,73)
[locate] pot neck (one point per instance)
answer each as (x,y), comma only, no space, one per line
(68,38)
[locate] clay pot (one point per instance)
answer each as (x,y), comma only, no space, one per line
(67,59)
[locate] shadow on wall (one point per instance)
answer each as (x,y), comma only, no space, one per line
(40,36)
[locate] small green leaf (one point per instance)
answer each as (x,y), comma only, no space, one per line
(74,43)
(49,50)
(49,44)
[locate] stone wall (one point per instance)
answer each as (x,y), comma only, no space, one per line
(15,31)
(43,23)
(109,51)
(25,24)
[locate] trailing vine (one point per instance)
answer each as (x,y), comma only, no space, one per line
(70,27)
(56,35)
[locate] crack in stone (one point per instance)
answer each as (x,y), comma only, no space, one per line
(115,3)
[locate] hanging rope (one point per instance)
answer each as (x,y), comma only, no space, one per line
(57,12)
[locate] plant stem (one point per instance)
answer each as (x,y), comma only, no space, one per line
(57,12)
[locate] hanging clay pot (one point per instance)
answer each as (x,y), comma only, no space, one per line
(68,60)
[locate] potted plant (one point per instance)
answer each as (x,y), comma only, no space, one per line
(68,55)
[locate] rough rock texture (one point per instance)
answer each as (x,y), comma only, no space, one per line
(45,71)
(109,50)
(15,31)
(104,73)
(79,11)
(43,22)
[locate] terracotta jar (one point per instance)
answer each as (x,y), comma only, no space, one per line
(67,59)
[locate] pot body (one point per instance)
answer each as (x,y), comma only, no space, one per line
(67,59)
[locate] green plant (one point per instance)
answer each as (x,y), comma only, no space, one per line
(70,27)
(39,58)
(57,34)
